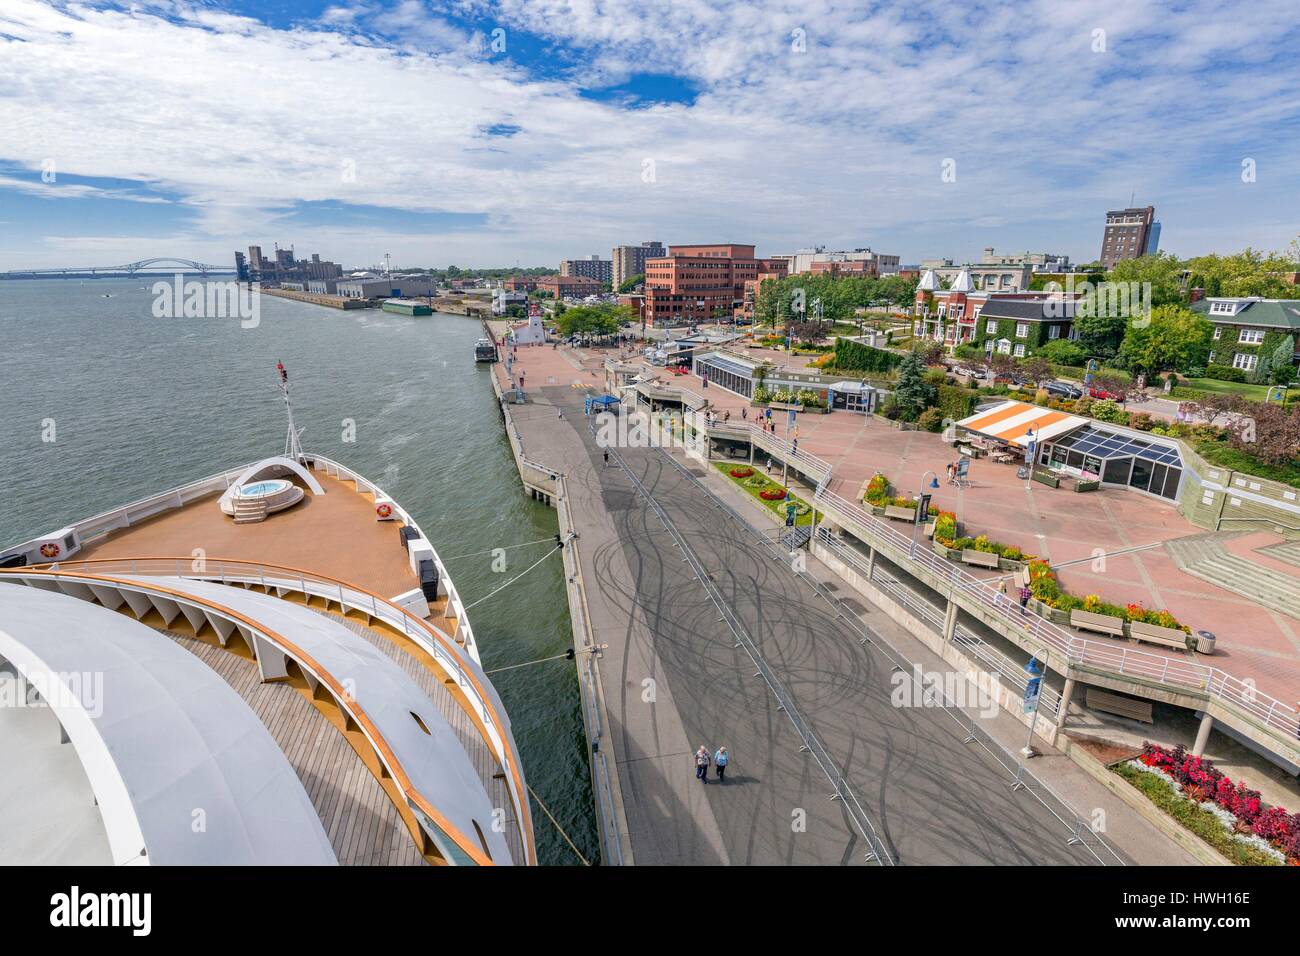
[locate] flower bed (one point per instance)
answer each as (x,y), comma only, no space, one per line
(1047,590)
(769,493)
(1010,557)
(1229,816)
(877,496)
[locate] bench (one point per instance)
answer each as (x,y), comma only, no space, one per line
(1155,634)
(984,559)
(1120,706)
(900,514)
(1100,623)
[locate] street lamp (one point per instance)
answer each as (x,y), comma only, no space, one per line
(922,501)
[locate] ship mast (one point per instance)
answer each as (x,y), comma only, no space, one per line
(292,447)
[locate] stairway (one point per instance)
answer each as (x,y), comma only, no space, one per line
(249,510)
(1288,552)
(1204,556)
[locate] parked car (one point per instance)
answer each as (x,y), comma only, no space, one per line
(968,371)
(1062,389)
(1095,391)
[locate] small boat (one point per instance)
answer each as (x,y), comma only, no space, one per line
(485,351)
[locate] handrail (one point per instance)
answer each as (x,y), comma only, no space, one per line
(441,648)
(340,693)
(1257,706)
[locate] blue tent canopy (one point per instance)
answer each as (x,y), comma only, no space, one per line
(604,401)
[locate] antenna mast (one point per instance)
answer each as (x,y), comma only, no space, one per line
(292,447)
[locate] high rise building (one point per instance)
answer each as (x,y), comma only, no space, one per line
(630,261)
(698,283)
(593,267)
(1128,233)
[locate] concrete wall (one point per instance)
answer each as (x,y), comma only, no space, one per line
(1220,499)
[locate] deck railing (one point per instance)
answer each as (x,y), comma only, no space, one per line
(464,670)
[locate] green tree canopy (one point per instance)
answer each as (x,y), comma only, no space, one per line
(631,282)
(913,394)
(1174,338)
(594,320)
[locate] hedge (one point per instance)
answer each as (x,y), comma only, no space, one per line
(856,357)
(956,402)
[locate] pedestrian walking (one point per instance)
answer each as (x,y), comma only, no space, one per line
(1025,595)
(720,761)
(952,472)
(769,466)
(606,457)
(744,413)
(702,764)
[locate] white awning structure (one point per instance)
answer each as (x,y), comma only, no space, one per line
(421,741)
(183,772)
(1018,423)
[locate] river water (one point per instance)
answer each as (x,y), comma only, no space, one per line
(137,404)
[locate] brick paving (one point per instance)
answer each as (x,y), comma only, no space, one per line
(1058,524)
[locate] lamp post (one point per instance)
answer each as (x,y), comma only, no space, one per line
(922,501)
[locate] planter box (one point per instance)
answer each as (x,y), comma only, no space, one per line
(952,554)
(1046,478)
(1087,485)
(1049,613)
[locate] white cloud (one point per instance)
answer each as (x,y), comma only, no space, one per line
(841,143)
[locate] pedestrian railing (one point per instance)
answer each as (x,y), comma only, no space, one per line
(1255,706)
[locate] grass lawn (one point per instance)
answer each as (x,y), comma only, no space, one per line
(1256,393)
(759,482)
(1192,816)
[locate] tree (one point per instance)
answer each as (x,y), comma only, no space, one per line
(593,320)
(1037,369)
(1172,338)
(913,394)
(1063,352)
(1099,335)
(1163,270)
(1265,431)
(631,282)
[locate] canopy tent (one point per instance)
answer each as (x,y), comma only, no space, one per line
(604,401)
(1019,423)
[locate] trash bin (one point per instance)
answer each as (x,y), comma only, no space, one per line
(1204,642)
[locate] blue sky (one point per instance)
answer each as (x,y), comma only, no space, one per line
(526,131)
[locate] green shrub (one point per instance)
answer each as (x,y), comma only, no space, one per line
(931,420)
(1225,373)
(1062,352)
(854,356)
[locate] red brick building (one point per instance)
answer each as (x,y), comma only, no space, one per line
(699,283)
(521,283)
(568,286)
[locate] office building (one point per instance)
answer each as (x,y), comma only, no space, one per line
(629,261)
(593,267)
(1128,234)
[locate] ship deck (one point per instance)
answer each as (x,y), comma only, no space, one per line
(334,535)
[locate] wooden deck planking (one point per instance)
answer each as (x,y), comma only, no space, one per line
(483,760)
(349,800)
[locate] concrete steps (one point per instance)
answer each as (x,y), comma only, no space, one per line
(1289,552)
(1205,557)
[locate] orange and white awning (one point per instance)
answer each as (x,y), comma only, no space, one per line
(1012,422)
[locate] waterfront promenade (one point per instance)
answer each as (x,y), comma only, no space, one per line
(674,677)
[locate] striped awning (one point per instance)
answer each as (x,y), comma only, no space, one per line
(1012,422)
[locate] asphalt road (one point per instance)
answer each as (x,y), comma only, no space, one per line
(932,798)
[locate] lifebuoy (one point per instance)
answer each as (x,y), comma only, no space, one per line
(384,510)
(50,550)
